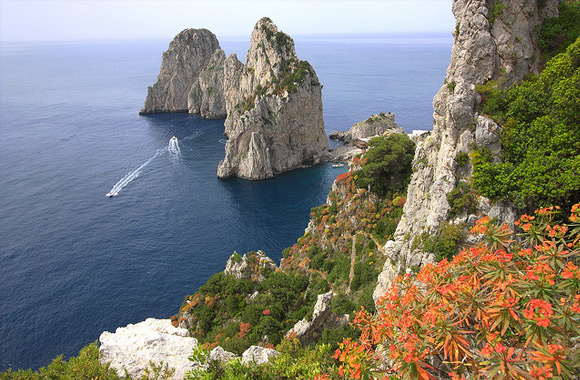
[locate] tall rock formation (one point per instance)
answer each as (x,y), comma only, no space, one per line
(206,97)
(188,54)
(274,107)
(493,40)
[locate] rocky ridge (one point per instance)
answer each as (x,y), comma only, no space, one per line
(376,125)
(491,43)
(274,107)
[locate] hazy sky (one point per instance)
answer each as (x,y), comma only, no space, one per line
(50,20)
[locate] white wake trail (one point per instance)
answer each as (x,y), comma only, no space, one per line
(131,176)
(173,147)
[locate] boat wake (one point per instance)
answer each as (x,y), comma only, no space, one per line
(173,147)
(127,179)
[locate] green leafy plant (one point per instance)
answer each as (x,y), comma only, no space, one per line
(499,310)
(388,164)
(540,159)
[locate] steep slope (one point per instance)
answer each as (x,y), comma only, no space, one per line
(493,40)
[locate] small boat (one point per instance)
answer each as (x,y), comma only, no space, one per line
(337,165)
(173,146)
(111,193)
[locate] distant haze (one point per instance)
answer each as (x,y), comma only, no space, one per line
(50,20)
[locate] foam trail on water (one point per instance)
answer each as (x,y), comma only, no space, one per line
(173,147)
(131,176)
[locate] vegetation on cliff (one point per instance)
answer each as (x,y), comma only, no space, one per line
(540,160)
(506,308)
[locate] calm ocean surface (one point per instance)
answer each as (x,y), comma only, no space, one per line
(73,262)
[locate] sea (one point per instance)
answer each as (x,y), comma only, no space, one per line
(74,262)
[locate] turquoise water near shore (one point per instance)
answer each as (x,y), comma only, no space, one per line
(74,262)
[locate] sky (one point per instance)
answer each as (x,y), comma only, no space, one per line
(69,20)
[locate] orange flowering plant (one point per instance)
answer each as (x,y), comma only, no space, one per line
(507,308)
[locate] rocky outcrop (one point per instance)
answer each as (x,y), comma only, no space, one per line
(376,125)
(206,97)
(250,266)
(322,318)
(491,42)
(220,355)
(188,54)
(259,355)
(274,108)
(134,347)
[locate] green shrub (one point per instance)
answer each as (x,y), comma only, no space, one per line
(462,158)
(388,165)
(451,86)
(540,161)
(461,199)
(445,243)
(557,33)
(84,366)
(496,11)
(342,305)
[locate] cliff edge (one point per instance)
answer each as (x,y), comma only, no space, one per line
(493,41)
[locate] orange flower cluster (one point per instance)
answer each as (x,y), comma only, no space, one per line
(506,308)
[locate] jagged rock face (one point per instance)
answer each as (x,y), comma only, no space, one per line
(250,266)
(496,43)
(188,54)
(322,318)
(221,355)
(259,355)
(274,107)
(206,97)
(376,125)
(133,347)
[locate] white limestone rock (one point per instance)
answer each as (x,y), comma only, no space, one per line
(274,107)
(259,355)
(221,355)
(251,265)
(382,124)
(484,49)
(322,318)
(188,54)
(206,97)
(133,347)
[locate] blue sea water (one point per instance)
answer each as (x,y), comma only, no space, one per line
(73,262)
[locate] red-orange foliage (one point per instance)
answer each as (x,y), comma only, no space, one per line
(498,310)
(245,329)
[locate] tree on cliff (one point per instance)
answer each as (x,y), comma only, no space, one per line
(387,165)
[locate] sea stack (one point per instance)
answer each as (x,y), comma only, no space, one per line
(274,107)
(188,54)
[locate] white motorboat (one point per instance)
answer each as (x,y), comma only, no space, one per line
(173,146)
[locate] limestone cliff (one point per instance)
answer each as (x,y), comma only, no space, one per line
(188,54)
(274,109)
(206,97)
(376,125)
(493,40)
